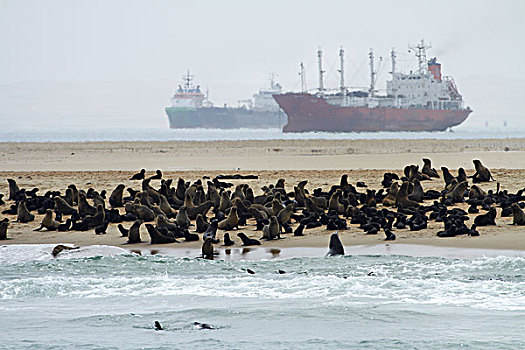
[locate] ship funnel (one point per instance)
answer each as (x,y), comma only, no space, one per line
(435,68)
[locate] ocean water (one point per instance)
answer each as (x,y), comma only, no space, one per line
(108,298)
(75,133)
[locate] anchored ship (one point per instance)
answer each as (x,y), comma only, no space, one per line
(190,108)
(423,100)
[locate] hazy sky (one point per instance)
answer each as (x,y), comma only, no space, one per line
(232,46)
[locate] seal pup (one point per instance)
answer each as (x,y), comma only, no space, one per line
(201,224)
(123,231)
(115,199)
(101,229)
(231,221)
(299,230)
(389,235)
(24,215)
(428,170)
(482,173)
(97,219)
(134,232)
(518,215)
(246,241)
(3,229)
(227,240)
(335,247)
(65,226)
(139,176)
(59,248)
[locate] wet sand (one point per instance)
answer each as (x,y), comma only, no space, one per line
(53,166)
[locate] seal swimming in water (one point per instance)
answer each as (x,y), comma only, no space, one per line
(518,215)
(246,241)
(158,327)
(335,247)
(59,248)
(482,174)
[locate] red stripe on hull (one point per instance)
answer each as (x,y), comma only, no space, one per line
(311,113)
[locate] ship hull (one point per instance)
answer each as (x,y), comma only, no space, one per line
(224,118)
(312,113)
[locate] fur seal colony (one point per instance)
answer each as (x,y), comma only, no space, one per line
(219,212)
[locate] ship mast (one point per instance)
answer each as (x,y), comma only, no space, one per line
(393,56)
(421,54)
(372,74)
(342,69)
(321,71)
(302,73)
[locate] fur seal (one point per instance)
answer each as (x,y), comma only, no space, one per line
(334,202)
(335,247)
(24,215)
(101,229)
(158,327)
(63,206)
(166,207)
(272,230)
(143,212)
(84,208)
(447,176)
(428,170)
(3,229)
(139,176)
(227,240)
(200,224)
(157,176)
(134,232)
(482,173)
(402,197)
(182,218)
(95,220)
(389,235)
(231,221)
(65,226)
(285,214)
(487,218)
(246,241)
(518,215)
(456,196)
(115,199)
(48,222)
(13,189)
(390,199)
(157,237)
(59,248)
(123,231)
(211,231)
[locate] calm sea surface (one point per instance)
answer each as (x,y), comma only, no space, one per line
(107,298)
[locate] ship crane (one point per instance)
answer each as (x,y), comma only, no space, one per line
(302,73)
(341,70)
(321,71)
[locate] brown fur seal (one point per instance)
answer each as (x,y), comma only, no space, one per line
(482,173)
(134,232)
(402,197)
(272,230)
(207,249)
(63,206)
(3,229)
(390,199)
(334,202)
(417,192)
(285,214)
(182,218)
(13,189)
(428,170)
(246,241)
(157,237)
(462,175)
(231,221)
(476,192)
(225,202)
(447,176)
(84,208)
(48,222)
(139,176)
(162,221)
(487,218)
(165,206)
(95,220)
(143,212)
(115,199)
(518,215)
(456,196)
(59,248)
(23,214)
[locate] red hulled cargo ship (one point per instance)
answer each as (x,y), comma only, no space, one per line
(420,101)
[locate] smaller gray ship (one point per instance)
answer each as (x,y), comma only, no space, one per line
(190,108)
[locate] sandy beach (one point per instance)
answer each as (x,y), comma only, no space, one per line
(103,165)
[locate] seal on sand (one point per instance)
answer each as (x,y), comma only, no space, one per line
(427,168)
(518,215)
(115,199)
(3,229)
(271,231)
(486,219)
(139,175)
(157,237)
(13,189)
(23,214)
(482,173)
(48,222)
(134,232)
(207,249)
(335,247)
(231,221)
(246,241)
(227,240)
